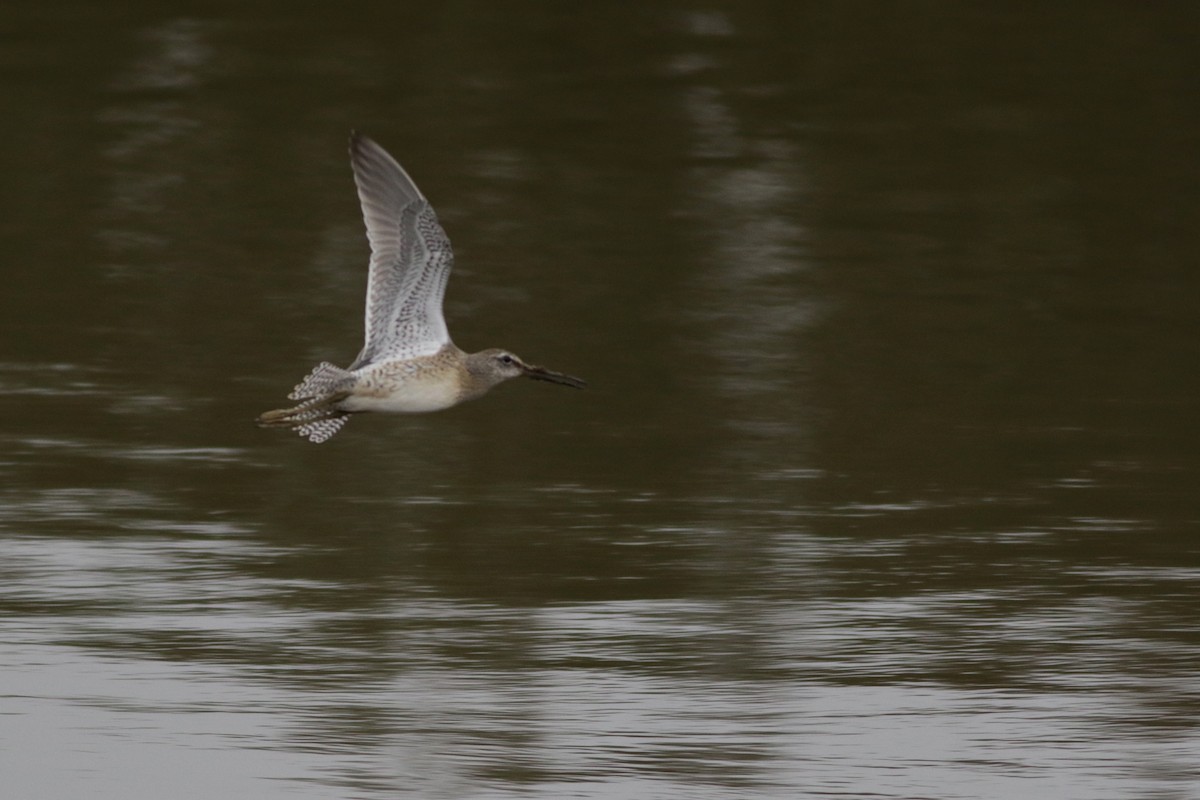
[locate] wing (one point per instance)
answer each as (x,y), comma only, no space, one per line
(410,259)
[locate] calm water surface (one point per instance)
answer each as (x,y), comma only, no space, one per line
(885,485)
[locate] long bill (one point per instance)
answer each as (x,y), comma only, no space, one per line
(543,374)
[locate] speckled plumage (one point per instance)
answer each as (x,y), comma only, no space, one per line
(410,260)
(408,363)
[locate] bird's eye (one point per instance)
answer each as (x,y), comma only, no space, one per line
(505,358)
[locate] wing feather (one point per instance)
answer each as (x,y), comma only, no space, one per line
(410,260)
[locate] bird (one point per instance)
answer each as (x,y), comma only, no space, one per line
(408,364)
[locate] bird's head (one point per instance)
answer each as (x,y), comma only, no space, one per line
(497,365)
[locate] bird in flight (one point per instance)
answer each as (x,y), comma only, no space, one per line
(408,363)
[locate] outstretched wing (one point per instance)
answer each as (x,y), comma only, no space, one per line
(410,259)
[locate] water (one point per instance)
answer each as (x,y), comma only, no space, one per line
(884,485)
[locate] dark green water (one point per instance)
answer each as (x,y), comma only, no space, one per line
(885,486)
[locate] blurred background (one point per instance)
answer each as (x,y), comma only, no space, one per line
(885,484)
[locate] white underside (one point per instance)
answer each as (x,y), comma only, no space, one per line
(415,397)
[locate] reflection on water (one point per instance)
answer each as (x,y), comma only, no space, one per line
(823,676)
(151,118)
(884,485)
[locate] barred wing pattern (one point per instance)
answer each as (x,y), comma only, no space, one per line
(410,260)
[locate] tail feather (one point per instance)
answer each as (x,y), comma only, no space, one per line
(324,378)
(316,417)
(319,430)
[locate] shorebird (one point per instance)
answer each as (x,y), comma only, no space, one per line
(408,363)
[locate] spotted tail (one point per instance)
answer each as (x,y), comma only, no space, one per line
(316,417)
